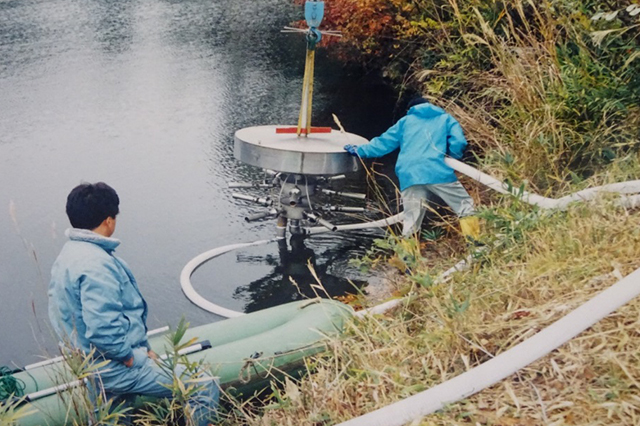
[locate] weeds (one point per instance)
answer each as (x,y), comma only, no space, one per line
(187,378)
(11,412)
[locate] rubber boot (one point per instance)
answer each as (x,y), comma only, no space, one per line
(470,228)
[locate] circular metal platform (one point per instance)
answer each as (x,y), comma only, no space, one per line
(316,154)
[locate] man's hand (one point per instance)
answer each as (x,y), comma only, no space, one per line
(128,363)
(152,354)
(351,149)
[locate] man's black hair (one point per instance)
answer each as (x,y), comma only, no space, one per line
(416,101)
(89,204)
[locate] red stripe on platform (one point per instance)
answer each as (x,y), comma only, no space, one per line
(303,131)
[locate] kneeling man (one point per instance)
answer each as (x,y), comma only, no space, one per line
(95,304)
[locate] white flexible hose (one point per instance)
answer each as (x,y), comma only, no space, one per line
(379,309)
(507,363)
(365,225)
(630,202)
(193,264)
(630,187)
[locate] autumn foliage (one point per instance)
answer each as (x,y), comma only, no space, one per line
(371,26)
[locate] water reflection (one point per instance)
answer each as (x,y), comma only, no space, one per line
(296,275)
(146,95)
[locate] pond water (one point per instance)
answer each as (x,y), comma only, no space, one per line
(146,95)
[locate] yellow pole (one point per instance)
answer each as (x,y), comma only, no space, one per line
(302,114)
(304,117)
(312,55)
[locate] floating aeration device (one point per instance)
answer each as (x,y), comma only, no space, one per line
(301,160)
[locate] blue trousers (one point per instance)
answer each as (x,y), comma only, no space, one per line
(146,378)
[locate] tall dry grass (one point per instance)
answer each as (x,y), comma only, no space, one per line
(546,95)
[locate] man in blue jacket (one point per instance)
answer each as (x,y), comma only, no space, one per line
(95,304)
(425,136)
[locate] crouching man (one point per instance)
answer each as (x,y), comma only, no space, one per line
(95,303)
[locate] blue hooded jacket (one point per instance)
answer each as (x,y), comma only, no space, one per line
(94,300)
(425,136)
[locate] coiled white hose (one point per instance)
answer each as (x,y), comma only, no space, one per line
(193,264)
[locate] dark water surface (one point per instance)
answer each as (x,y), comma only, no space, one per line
(146,95)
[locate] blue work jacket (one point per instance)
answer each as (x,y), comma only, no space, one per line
(94,300)
(425,136)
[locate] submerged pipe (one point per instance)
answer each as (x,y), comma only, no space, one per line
(266,201)
(248,185)
(346,209)
(392,220)
(345,194)
(261,215)
(330,226)
(317,219)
